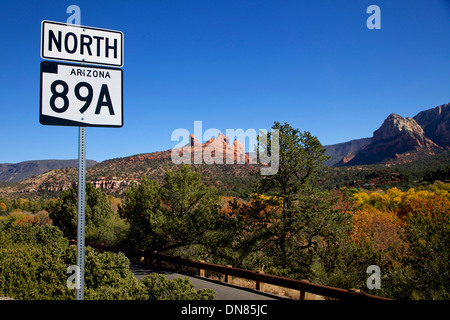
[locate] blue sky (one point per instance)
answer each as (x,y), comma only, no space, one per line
(233,64)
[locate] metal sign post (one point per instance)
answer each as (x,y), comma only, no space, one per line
(81,209)
(81,199)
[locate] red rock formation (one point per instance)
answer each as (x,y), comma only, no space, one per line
(436,124)
(396,136)
(215,149)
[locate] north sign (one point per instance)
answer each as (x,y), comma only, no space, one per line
(78,95)
(68,42)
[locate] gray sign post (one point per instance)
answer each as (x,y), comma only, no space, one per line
(81,196)
(81,209)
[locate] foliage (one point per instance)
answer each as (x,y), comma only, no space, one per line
(343,264)
(112,231)
(158,287)
(179,214)
(20,217)
(301,159)
(421,172)
(381,229)
(9,205)
(411,201)
(412,231)
(428,257)
(34,260)
(102,223)
(282,227)
(287,239)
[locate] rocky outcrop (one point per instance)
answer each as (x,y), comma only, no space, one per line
(436,124)
(399,136)
(215,150)
(403,132)
(109,184)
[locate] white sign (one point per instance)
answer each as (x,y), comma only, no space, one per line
(77,95)
(61,41)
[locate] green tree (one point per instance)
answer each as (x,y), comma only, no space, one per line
(428,254)
(290,224)
(301,160)
(64,211)
(179,214)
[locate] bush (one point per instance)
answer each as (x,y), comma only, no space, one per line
(158,287)
(34,261)
(64,211)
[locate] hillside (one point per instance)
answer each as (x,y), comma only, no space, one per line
(114,176)
(411,174)
(14,172)
(342,152)
(402,151)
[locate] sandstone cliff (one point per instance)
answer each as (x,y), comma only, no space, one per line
(407,138)
(436,124)
(218,150)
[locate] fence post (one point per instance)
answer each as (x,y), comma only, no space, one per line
(303,292)
(259,284)
(228,278)
(201,272)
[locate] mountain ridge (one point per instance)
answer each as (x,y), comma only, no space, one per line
(398,140)
(15,172)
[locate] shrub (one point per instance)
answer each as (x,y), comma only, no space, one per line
(34,261)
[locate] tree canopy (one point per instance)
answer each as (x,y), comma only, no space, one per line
(177,214)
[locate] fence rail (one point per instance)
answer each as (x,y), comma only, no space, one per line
(302,286)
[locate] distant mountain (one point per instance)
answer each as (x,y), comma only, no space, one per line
(116,175)
(15,172)
(343,152)
(398,140)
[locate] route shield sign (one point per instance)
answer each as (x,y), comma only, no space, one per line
(79,95)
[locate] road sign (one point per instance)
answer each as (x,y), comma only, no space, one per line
(61,41)
(78,95)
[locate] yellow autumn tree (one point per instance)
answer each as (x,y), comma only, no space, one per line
(386,201)
(381,229)
(270,200)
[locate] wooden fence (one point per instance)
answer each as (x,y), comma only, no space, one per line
(259,278)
